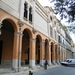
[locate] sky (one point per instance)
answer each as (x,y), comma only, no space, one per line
(47,3)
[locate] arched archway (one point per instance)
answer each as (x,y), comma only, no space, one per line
(25,57)
(56,53)
(46,48)
(6,42)
(38,41)
(52,52)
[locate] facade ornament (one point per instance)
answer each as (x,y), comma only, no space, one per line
(49,39)
(34,31)
(21,23)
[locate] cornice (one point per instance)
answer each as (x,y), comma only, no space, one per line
(41,7)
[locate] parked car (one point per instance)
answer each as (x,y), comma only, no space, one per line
(68,62)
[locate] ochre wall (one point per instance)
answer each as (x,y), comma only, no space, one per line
(7,48)
(25,43)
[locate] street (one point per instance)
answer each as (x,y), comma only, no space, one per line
(60,70)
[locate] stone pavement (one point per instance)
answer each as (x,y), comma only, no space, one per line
(26,72)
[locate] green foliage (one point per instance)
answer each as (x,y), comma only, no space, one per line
(63,27)
(65,8)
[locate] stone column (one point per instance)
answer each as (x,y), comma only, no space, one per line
(16,64)
(42,49)
(49,55)
(32,52)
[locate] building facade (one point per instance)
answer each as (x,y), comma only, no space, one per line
(28,34)
(65,43)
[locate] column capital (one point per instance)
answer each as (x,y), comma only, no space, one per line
(32,39)
(18,34)
(49,46)
(42,43)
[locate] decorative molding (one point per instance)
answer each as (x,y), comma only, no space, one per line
(32,39)
(34,31)
(20,23)
(43,42)
(49,39)
(18,34)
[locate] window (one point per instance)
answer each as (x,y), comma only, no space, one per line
(55,22)
(55,35)
(30,14)
(59,39)
(51,18)
(51,31)
(25,10)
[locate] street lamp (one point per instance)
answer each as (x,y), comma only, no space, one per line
(0,27)
(0,31)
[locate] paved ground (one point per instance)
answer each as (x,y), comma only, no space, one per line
(26,72)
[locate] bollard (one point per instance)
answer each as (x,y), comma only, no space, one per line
(30,72)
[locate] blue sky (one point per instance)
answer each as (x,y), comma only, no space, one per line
(47,3)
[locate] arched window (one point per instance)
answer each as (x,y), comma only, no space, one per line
(51,31)
(51,18)
(30,14)
(25,10)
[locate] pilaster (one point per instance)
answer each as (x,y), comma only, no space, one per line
(32,52)
(17,50)
(21,10)
(42,49)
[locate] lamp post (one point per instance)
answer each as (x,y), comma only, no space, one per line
(0,27)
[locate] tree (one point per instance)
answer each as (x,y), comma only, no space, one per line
(65,8)
(71,27)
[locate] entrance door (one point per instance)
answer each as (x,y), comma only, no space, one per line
(1,42)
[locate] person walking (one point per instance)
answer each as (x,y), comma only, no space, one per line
(45,64)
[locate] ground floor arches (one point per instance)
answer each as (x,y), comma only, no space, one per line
(6,43)
(20,46)
(37,49)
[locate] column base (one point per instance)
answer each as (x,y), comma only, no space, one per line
(53,62)
(49,62)
(41,63)
(58,62)
(32,63)
(16,65)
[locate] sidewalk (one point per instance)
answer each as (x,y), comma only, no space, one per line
(26,72)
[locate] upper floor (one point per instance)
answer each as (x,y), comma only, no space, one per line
(32,13)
